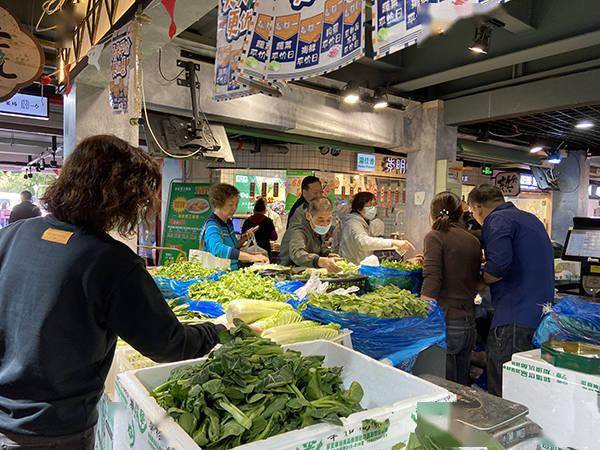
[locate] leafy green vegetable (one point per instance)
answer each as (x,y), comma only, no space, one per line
(184,271)
(348,270)
(240,284)
(183,313)
(406,266)
(251,389)
(385,302)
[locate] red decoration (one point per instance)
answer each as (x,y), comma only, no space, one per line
(68,79)
(45,80)
(170,7)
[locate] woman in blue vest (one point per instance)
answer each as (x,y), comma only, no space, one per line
(219,237)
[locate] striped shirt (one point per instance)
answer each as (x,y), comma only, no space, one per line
(220,240)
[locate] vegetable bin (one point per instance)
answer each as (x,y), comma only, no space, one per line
(391,397)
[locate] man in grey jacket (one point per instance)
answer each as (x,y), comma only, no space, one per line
(303,244)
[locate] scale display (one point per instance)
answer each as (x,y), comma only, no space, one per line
(583,244)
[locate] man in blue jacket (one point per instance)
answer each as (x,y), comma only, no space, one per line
(520,272)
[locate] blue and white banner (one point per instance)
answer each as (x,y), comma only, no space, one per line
(398,24)
(297,39)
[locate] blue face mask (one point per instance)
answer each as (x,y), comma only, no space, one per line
(321,230)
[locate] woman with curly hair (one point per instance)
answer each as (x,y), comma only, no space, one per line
(67,290)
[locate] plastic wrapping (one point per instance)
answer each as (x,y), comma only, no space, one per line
(171,288)
(397,340)
(381,276)
(573,319)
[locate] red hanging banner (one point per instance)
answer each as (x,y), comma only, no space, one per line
(170,7)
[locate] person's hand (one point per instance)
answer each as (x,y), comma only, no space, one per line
(418,259)
(259,259)
(330,264)
(251,231)
(403,245)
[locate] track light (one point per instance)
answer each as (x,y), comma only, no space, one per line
(584,125)
(351,93)
(380,99)
(536,148)
(483,37)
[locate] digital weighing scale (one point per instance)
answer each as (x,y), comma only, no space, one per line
(583,245)
(476,410)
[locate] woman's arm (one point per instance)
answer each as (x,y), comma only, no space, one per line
(365,240)
(214,244)
(433,266)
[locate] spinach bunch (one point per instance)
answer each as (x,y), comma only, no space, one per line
(240,284)
(405,266)
(251,389)
(184,271)
(385,302)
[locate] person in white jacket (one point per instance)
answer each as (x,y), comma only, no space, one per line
(356,242)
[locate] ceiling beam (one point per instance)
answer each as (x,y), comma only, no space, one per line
(542,51)
(545,95)
(516,16)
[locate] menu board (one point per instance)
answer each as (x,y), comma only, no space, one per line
(187,211)
(296,39)
(252,187)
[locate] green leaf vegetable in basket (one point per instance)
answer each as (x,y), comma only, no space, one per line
(251,389)
(406,266)
(183,271)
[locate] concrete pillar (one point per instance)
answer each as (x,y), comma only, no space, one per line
(572,199)
(435,141)
(87,113)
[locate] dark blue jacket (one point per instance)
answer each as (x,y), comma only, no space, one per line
(518,250)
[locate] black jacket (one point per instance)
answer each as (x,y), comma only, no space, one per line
(24,210)
(65,296)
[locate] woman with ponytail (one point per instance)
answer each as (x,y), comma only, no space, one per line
(451,275)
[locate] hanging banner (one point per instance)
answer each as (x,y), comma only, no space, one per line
(297,39)
(398,24)
(188,210)
(118,88)
(235,19)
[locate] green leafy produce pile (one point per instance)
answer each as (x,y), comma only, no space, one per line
(384,302)
(184,271)
(348,270)
(406,266)
(183,313)
(240,284)
(251,389)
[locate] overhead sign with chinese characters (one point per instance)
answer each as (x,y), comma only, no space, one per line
(398,24)
(24,105)
(509,183)
(21,57)
(235,19)
(296,39)
(393,165)
(365,162)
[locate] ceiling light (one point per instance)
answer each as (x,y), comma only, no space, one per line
(584,125)
(483,37)
(351,93)
(554,157)
(380,99)
(536,149)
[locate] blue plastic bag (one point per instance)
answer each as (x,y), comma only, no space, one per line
(411,280)
(208,308)
(289,287)
(171,288)
(573,319)
(398,340)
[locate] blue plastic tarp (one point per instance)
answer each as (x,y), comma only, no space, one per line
(572,319)
(382,276)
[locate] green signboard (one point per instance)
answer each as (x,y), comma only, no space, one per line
(294,186)
(188,210)
(246,184)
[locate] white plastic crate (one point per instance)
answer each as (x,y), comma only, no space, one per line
(389,394)
(565,403)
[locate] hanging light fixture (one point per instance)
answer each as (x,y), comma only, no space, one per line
(554,157)
(536,148)
(380,99)
(483,38)
(351,94)
(584,125)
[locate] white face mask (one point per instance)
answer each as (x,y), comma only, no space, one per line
(370,212)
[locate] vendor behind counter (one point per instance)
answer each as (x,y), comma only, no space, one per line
(303,244)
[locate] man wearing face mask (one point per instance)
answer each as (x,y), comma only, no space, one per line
(303,244)
(356,242)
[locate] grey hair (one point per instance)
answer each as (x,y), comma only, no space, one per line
(319,205)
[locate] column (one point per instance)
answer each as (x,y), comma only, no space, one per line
(87,113)
(572,199)
(435,141)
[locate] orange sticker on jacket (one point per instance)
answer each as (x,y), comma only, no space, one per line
(57,236)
